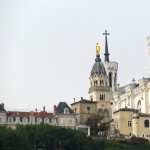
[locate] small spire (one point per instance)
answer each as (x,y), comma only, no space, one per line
(106,47)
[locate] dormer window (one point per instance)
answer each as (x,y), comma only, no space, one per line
(66,110)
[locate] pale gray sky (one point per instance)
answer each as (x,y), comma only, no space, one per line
(47,47)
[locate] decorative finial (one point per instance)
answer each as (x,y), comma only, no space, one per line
(98,48)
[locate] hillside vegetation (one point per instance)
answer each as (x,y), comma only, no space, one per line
(45,137)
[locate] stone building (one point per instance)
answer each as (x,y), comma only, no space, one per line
(103,82)
(62,116)
(126,107)
(132,108)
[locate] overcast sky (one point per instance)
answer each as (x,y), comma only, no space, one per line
(47,47)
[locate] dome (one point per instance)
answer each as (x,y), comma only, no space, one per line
(98,67)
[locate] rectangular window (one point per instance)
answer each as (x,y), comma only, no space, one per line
(14,119)
(21,119)
(9,119)
(129,124)
(50,120)
(28,119)
(35,119)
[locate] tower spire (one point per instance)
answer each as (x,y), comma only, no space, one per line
(106,47)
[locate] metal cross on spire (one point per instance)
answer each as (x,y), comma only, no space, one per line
(106,46)
(106,33)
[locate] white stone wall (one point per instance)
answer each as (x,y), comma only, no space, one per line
(3,118)
(133,96)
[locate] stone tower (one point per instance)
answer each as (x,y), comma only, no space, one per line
(99,85)
(111,67)
(100,91)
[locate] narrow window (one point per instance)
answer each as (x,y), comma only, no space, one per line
(103,96)
(50,120)
(129,124)
(88,109)
(35,119)
(146,123)
(14,119)
(20,119)
(110,79)
(95,83)
(100,83)
(28,119)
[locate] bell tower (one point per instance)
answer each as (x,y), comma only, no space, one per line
(99,90)
(110,66)
(99,84)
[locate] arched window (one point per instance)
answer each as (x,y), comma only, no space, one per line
(95,83)
(101,82)
(110,79)
(101,97)
(139,105)
(146,123)
(88,109)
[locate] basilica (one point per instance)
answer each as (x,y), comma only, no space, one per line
(125,108)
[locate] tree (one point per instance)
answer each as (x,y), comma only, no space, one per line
(94,121)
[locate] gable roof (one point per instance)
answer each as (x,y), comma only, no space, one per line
(61,106)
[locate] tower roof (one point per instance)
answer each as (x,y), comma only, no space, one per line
(98,67)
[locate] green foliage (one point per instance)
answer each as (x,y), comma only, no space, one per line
(45,137)
(137,140)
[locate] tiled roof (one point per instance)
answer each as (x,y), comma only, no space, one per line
(27,114)
(98,69)
(127,109)
(61,106)
(84,101)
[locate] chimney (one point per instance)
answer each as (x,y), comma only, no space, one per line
(81,98)
(43,108)
(74,100)
(35,109)
(55,109)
